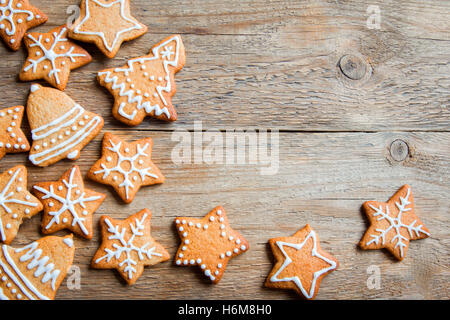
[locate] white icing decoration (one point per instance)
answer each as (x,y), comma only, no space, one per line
(396,224)
(133,97)
(73,154)
(288,260)
(6,196)
(68,242)
(87,16)
(50,55)
(143,172)
(67,203)
(10,17)
(128,247)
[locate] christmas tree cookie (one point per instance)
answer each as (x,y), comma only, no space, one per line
(60,127)
(35,271)
(145,85)
(12,138)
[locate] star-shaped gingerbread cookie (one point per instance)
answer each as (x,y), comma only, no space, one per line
(16,203)
(107,24)
(16,17)
(68,204)
(393,224)
(128,246)
(51,56)
(209,243)
(12,138)
(126,166)
(300,263)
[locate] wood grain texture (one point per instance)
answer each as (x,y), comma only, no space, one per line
(273,65)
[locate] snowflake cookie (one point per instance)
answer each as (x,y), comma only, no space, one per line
(51,56)
(300,263)
(128,246)
(126,166)
(209,243)
(145,85)
(68,204)
(16,203)
(106,24)
(60,127)
(393,224)
(12,138)
(16,17)
(35,271)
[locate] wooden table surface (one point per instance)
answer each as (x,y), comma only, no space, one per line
(254,64)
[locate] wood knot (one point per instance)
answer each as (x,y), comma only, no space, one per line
(352,67)
(399,150)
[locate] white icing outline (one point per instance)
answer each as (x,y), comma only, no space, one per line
(127,246)
(144,172)
(396,224)
(6,198)
(10,18)
(138,98)
(2,295)
(67,203)
(50,54)
(100,34)
(288,260)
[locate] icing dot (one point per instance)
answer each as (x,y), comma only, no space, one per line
(135,178)
(143,67)
(65,220)
(60,136)
(236,250)
(60,188)
(13,124)
(177,221)
(146,95)
(221,219)
(108,159)
(208,272)
(243,248)
(4,278)
(12,40)
(205,226)
(78,192)
(67,132)
(1,144)
(238,241)
(190,223)
(36,147)
(146,74)
(19,296)
(44,144)
(9,111)
(85,213)
(152,77)
(155,94)
(38,53)
(185,234)
(203,266)
(223,234)
(16,146)
(51,204)
(192,261)
(186,241)
(178,262)
(128,80)
(20,179)
(230,238)
(13,135)
(8,226)
(217,272)
(127,150)
(74,128)
(219,265)
(47,40)
(211,218)
(198,225)
(19,189)
(181,229)
(10,172)
(86,117)
(15,216)
(53,140)
(222,255)
(141,161)
(222,226)
(2,26)
(160,78)
(14,291)
(62,47)
(19,20)
(180,255)
(63,63)
(81,123)
(228,253)
(219,212)
(27,211)
(115,178)
(199,261)
(183,221)
(28,197)
(9,129)
(2,114)
(185,262)
(9,285)
(45,67)
(184,248)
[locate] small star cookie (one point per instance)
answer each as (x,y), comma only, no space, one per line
(209,243)
(35,271)
(68,204)
(51,56)
(128,246)
(393,224)
(106,24)
(145,85)
(16,203)
(12,138)
(16,17)
(126,166)
(300,263)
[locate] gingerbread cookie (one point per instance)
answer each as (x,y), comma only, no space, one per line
(51,56)
(17,16)
(145,85)
(16,203)
(209,243)
(128,246)
(60,127)
(106,24)
(68,204)
(300,263)
(35,271)
(126,166)
(12,138)
(393,224)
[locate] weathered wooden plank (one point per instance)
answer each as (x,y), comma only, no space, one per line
(323,180)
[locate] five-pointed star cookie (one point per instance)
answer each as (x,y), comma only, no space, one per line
(68,204)
(209,243)
(107,24)
(300,263)
(12,138)
(393,224)
(126,166)
(16,203)
(128,246)
(16,17)
(51,56)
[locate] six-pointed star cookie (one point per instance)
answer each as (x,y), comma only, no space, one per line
(128,246)
(209,243)
(16,203)
(51,56)
(68,204)
(126,166)
(16,17)
(393,224)
(12,138)
(300,263)
(107,24)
